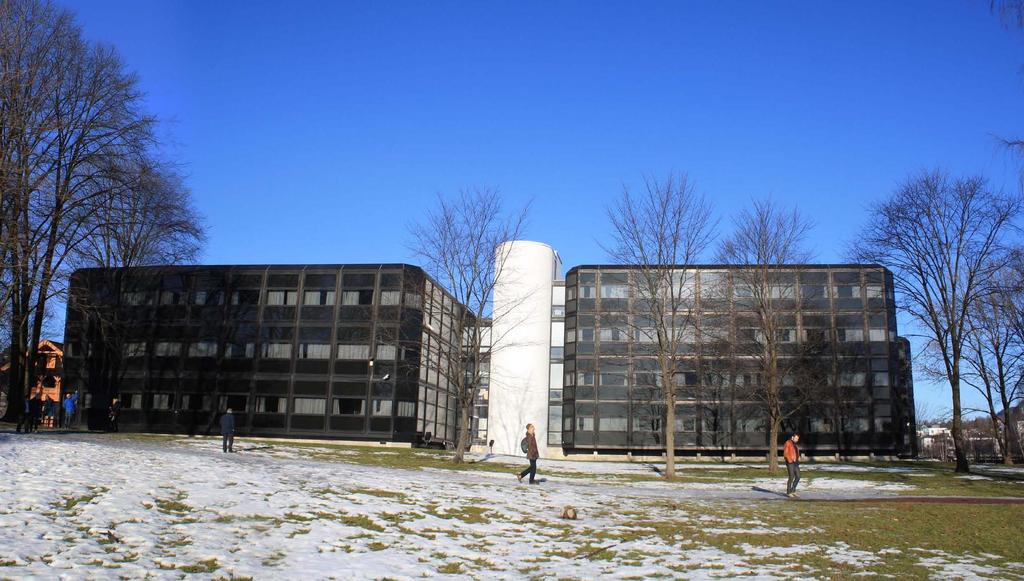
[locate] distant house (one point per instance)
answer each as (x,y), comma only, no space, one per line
(935,442)
(933,432)
(48,373)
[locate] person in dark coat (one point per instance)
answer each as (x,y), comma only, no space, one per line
(50,412)
(35,412)
(530,443)
(227,431)
(112,414)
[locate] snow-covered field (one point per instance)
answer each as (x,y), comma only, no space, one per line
(78,507)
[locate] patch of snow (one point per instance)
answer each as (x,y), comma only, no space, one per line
(90,506)
(948,566)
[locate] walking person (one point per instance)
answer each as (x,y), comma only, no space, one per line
(112,415)
(529,445)
(227,431)
(791,452)
(50,413)
(35,412)
(70,402)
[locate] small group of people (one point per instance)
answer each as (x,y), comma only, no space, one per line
(790,452)
(42,412)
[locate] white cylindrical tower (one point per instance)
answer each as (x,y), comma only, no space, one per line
(521,344)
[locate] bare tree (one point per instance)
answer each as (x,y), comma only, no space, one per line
(995,358)
(461,245)
(944,239)
(660,233)
(69,109)
(927,413)
(1011,12)
(143,217)
(766,242)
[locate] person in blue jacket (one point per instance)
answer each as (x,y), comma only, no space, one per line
(70,403)
(227,431)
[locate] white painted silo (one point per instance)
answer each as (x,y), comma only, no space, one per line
(521,354)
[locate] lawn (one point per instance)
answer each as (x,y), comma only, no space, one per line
(133,506)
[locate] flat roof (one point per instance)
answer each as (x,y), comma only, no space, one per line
(806,266)
(370,265)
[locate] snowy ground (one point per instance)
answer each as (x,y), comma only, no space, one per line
(90,506)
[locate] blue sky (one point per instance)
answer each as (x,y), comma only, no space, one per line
(315,132)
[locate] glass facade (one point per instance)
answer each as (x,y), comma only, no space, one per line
(340,351)
(839,320)
(367,351)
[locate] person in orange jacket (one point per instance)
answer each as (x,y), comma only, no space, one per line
(792,455)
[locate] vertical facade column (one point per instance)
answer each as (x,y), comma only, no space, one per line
(521,345)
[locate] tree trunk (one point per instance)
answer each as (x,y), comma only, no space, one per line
(996,432)
(17,385)
(1008,439)
(462,439)
(1005,439)
(774,412)
(670,433)
(959,451)
(773,443)
(44,281)
(15,392)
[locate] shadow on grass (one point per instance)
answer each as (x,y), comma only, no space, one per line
(997,473)
(766,491)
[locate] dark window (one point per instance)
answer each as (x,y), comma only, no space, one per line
(390,280)
(270,404)
(353,298)
(246,280)
(162,401)
(245,297)
(239,350)
(285,298)
(318,297)
(357,388)
(320,281)
(344,406)
(237,403)
(285,280)
(208,297)
(358,280)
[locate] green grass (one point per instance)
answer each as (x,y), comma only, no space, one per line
(380,493)
(468,514)
(928,478)
(452,568)
(896,533)
(953,528)
(172,506)
(69,503)
(204,566)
